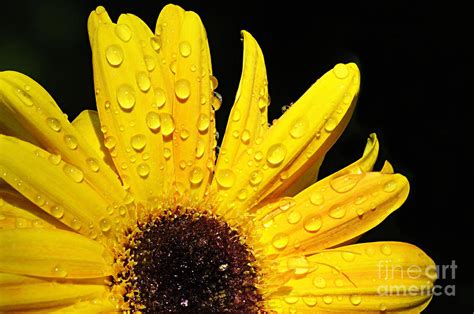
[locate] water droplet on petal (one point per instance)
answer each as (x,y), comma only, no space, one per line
(138,142)
(280,240)
(184,134)
(54,159)
(200,147)
(327,299)
(110,142)
(214,82)
(114,55)
(185,49)
(236,115)
(149,63)
(143,81)
(153,120)
(167,124)
(360,199)
(299,264)
(317,199)
(25,97)
(310,300)
(123,32)
(73,173)
(276,154)
(203,122)
(225,178)
(166,153)
(242,194)
(348,256)
(386,249)
(294,217)
(256,177)
(71,141)
(182,89)
(337,212)
(341,71)
(126,97)
(319,282)
(155,43)
(93,164)
(216,101)
(143,170)
(76,224)
(330,125)
(298,128)
(160,97)
(291,300)
(345,183)
(59,271)
(313,223)
(258,156)
(105,224)
(245,137)
(390,186)
(57,211)
(54,124)
(196,175)
(355,299)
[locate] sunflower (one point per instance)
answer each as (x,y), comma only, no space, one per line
(127,208)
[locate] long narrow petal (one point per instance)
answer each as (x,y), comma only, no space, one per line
(306,130)
(25,101)
(368,277)
(248,117)
(57,187)
(20,293)
(52,253)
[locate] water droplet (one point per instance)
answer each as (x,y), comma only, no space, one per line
(153,120)
(337,212)
(123,32)
(54,124)
(216,101)
(138,142)
(345,183)
(390,186)
(360,199)
(319,282)
(235,133)
(54,159)
(258,156)
(242,194)
(313,223)
(330,125)
(196,175)
(341,71)
(245,137)
(149,63)
(184,48)
(126,97)
(348,256)
(291,299)
(200,147)
(59,271)
(184,134)
(317,199)
(71,141)
(360,212)
(327,299)
(280,240)
(160,97)
(299,264)
(166,153)
(182,89)
(203,122)
(105,224)
(355,299)
(57,211)
(143,170)
(114,55)
(276,154)
(225,178)
(294,217)
(236,115)
(309,300)
(25,97)
(143,81)
(73,173)
(155,43)
(76,224)
(383,307)
(370,251)
(110,142)
(256,177)
(39,200)
(193,68)
(167,124)
(214,82)
(386,249)
(298,128)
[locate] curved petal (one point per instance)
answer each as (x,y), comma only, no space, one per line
(57,187)
(21,293)
(294,142)
(52,253)
(368,277)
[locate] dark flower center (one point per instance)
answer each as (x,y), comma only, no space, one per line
(193,263)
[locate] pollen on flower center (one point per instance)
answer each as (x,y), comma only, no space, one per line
(186,261)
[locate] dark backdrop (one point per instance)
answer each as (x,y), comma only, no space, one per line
(416,92)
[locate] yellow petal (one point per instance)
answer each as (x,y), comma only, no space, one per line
(98,16)
(295,141)
(20,293)
(55,186)
(101,304)
(18,212)
(25,101)
(332,211)
(248,117)
(128,109)
(88,124)
(52,253)
(380,276)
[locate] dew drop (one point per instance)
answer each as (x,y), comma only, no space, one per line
(298,128)
(348,256)
(216,101)
(153,120)
(337,212)
(167,124)
(196,175)
(360,199)
(276,154)
(236,115)
(55,159)
(310,300)
(390,186)
(160,97)
(71,141)
(76,224)
(319,282)
(73,173)
(138,142)
(203,122)
(39,200)
(114,55)
(360,212)
(126,97)
(149,63)
(386,249)
(57,211)
(214,82)
(355,299)
(110,142)
(242,194)
(25,97)
(330,125)
(299,264)
(105,224)
(256,177)
(143,170)
(341,71)
(184,134)
(383,307)
(143,81)
(123,32)
(200,147)
(245,137)
(327,299)
(258,156)
(280,240)
(54,124)
(235,134)
(182,89)
(225,178)
(345,183)
(313,223)
(155,43)
(184,48)
(294,217)
(166,153)
(59,271)
(317,199)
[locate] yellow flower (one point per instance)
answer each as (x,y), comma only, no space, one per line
(128,209)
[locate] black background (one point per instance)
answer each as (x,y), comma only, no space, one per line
(416,92)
